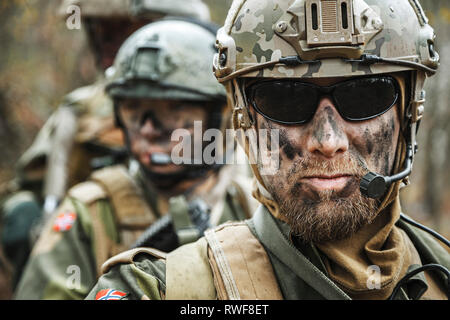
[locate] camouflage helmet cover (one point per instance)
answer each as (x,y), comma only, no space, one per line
(169,59)
(150,9)
(323,38)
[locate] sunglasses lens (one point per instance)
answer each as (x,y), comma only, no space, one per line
(285,101)
(294,102)
(365,98)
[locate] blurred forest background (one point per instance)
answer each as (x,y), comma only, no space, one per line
(41,60)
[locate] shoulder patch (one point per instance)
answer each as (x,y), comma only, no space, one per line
(110,294)
(49,237)
(87,192)
(64,221)
(127,257)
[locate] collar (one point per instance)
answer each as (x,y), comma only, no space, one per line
(278,245)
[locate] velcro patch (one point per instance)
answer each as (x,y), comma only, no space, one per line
(64,221)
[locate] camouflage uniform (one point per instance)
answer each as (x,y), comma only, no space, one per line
(79,137)
(289,273)
(258,258)
(99,219)
(105,215)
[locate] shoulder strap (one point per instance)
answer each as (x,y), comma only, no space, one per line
(188,274)
(87,192)
(240,264)
(131,209)
(228,263)
(128,257)
(131,212)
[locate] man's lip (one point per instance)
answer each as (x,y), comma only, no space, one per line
(328,182)
(158,167)
(160,159)
(147,155)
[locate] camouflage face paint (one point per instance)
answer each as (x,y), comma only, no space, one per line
(154,122)
(288,149)
(330,146)
(319,130)
(368,141)
(285,145)
(380,141)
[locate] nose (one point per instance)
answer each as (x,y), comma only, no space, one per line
(327,136)
(149,130)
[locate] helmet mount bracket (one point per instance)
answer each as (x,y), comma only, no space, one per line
(328,29)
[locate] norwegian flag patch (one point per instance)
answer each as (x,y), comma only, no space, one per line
(109,294)
(64,221)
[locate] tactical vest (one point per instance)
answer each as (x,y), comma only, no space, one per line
(132,213)
(239,267)
(229,262)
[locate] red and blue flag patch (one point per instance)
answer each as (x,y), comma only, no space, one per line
(109,294)
(64,221)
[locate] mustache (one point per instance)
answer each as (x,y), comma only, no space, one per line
(310,166)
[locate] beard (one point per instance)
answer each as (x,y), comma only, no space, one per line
(318,216)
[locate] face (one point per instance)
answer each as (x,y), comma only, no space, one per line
(149,126)
(321,165)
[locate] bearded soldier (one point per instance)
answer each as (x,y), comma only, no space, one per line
(107,214)
(342,83)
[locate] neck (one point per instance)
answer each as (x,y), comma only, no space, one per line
(191,188)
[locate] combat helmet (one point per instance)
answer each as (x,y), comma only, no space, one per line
(168,59)
(148,9)
(327,38)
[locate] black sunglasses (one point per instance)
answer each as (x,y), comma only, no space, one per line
(296,102)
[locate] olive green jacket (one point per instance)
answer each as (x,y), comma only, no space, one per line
(98,219)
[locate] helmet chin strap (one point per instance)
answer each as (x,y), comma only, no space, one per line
(374,185)
(242,121)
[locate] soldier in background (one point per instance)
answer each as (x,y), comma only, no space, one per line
(80,135)
(161,81)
